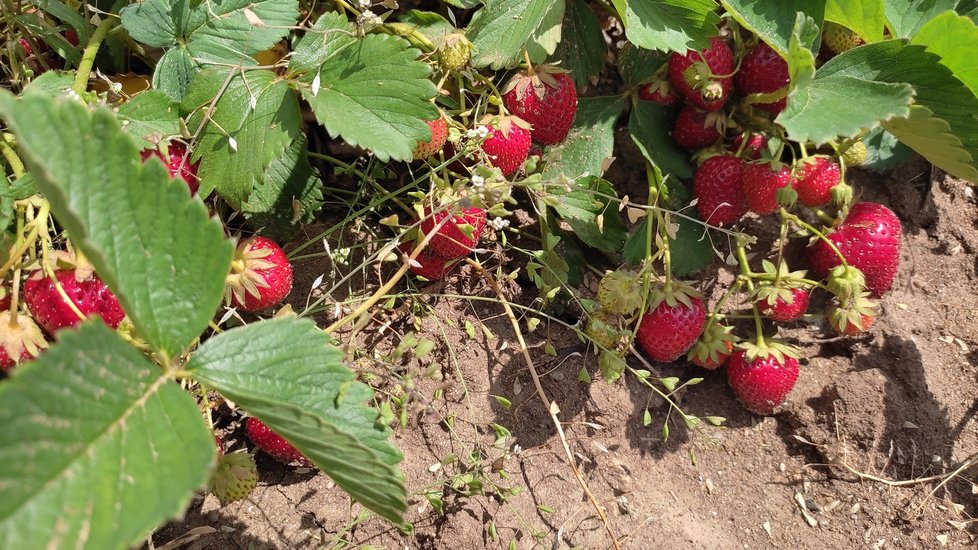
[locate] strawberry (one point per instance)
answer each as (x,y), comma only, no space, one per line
(869,239)
(713,348)
(602,327)
(669,330)
(429,265)
(763,71)
(458,236)
(87,292)
(620,292)
(784,304)
(546,98)
(761,184)
(856,154)
(703,77)
(850,321)
(752,149)
(454,52)
(261,275)
(273,444)
(20,339)
(177,163)
(234,477)
(719,191)
(815,180)
(839,39)
(4,299)
(762,383)
(439,133)
(658,90)
(696,128)
(508,148)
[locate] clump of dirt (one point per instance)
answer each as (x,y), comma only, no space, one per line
(859,457)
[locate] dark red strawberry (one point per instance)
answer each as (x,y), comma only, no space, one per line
(450,242)
(666,332)
(439,133)
(90,295)
(178,163)
(763,71)
(869,239)
(719,191)
(507,150)
(261,275)
(703,77)
(20,339)
(785,310)
(546,98)
(4,299)
(696,128)
(429,265)
(761,184)
(659,91)
(752,149)
(273,444)
(815,180)
(763,384)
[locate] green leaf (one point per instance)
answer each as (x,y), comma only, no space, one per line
(285,372)
(954,39)
(650,126)
(883,151)
(907,16)
(582,49)
(845,96)
(430,24)
(691,249)
(637,65)
(635,247)
(590,142)
(52,83)
(258,111)
(669,25)
(865,17)
(174,72)
(98,446)
(150,114)
(774,20)
(290,193)
(374,93)
(502,28)
(328,36)
(20,189)
(152,244)
(590,212)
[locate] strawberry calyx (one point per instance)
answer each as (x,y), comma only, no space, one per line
(769,348)
(260,275)
(855,317)
(714,346)
(846,282)
(672,293)
(620,292)
(536,78)
(20,339)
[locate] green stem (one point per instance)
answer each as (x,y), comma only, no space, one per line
(16,165)
(745,272)
(808,227)
(91,50)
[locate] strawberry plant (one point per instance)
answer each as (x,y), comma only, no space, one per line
(162,158)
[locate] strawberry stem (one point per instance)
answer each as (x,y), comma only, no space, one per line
(781,239)
(798,221)
(16,165)
(529,64)
(15,298)
(745,272)
(88,56)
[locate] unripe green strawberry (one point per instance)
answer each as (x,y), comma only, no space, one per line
(856,154)
(602,327)
(234,477)
(620,292)
(454,52)
(839,39)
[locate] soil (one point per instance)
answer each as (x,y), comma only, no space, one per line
(896,405)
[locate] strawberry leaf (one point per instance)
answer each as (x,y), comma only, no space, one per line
(258,111)
(864,17)
(669,25)
(285,372)
(591,213)
(290,193)
(99,446)
(590,142)
(906,17)
(150,114)
(501,30)
(774,20)
(650,126)
(582,48)
(637,65)
(153,245)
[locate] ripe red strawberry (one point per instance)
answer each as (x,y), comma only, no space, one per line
(783,311)
(429,265)
(507,151)
(869,239)
(659,91)
(713,348)
(815,180)
(761,385)
(439,133)
(763,71)
(261,275)
(666,332)
(752,149)
(90,295)
(703,77)
(273,444)
(761,184)
(177,163)
(450,242)
(719,191)
(846,323)
(547,99)
(20,339)
(4,299)
(696,128)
